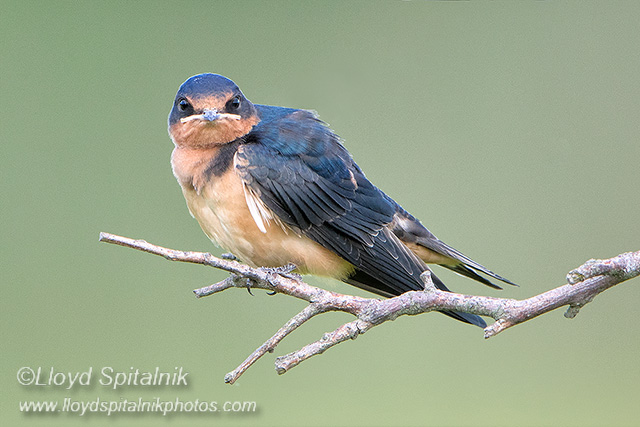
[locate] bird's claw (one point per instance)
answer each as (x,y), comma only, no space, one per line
(229,256)
(248,285)
(285,271)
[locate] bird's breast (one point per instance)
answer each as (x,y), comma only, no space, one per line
(223,213)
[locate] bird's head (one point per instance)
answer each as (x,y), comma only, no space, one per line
(209,109)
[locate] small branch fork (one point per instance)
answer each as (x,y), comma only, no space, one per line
(584,283)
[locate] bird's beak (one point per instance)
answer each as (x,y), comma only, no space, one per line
(209,115)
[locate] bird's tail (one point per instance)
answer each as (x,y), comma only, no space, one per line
(364,281)
(463,317)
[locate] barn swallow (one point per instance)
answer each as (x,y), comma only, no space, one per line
(275,185)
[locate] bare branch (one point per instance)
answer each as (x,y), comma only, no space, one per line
(268,347)
(585,282)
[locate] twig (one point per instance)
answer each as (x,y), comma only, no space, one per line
(585,282)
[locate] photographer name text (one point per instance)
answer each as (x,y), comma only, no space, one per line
(105,377)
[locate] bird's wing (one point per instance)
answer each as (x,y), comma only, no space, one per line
(300,171)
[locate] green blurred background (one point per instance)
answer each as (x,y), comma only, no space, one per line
(510,129)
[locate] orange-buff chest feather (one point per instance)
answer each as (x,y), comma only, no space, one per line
(219,204)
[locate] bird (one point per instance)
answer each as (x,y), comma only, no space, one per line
(276,186)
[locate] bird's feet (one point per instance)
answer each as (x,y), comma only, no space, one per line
(284,271)
(229,256)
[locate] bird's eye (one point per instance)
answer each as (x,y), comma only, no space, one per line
(234,104)
(183,105)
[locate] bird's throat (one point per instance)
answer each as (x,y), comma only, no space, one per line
(204,134)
